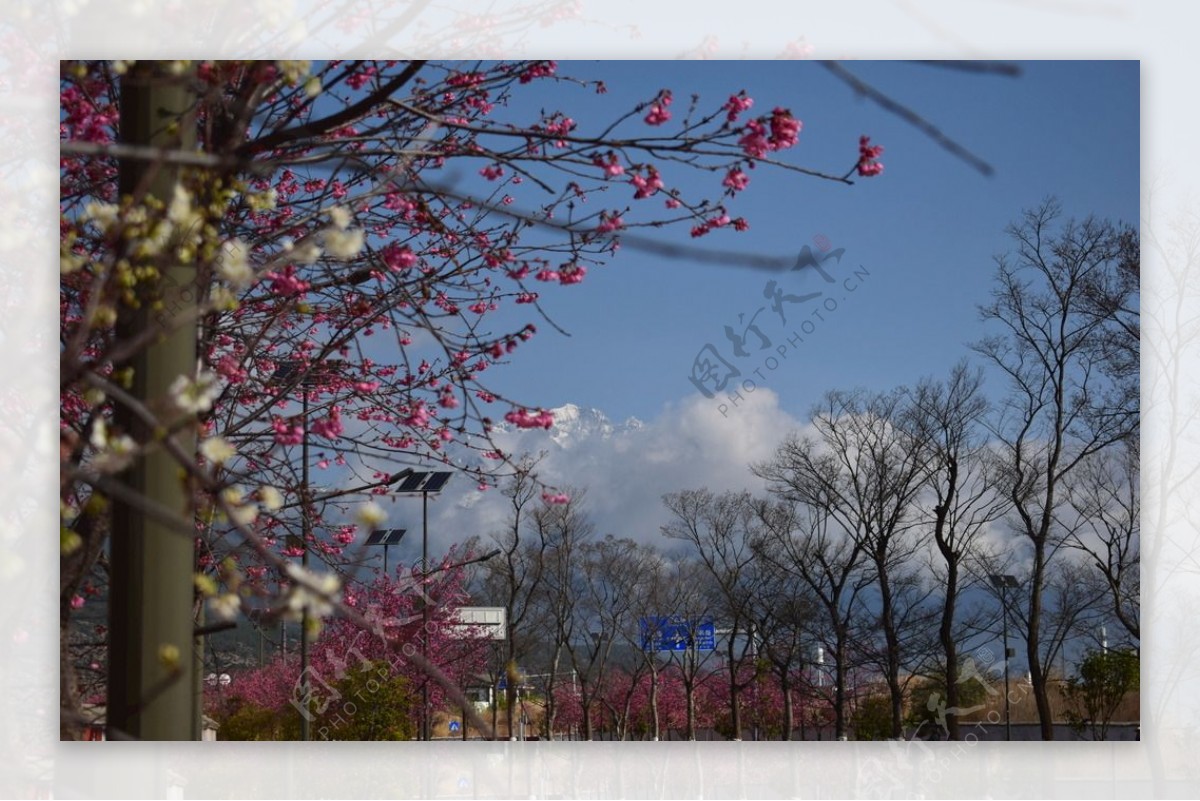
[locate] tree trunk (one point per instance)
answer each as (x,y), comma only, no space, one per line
(654,702)
(788,709)
(690,689)
(839,692)
(887,620)
(949,649)
(1037,674)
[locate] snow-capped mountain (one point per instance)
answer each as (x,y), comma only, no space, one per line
(573,424)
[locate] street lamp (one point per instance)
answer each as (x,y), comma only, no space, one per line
(1005,582)
(285,373)
(426,483)
(386,537)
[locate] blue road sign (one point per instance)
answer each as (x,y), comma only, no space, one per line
(676,633)
(455,725)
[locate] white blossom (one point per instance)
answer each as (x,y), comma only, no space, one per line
(272,499)
(195,395)
(103,214)
(293,71)
(307,252)
(241,511)
(340,217)
(217,450)
(233,264)
(311,593)
(113,453)
(180,209)
(371,514)
(344,245)
(226,605)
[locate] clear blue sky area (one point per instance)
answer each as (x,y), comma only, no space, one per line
(926,230)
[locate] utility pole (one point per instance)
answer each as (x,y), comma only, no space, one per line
(153,681)
(1005,582)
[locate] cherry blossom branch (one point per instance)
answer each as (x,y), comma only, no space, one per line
(907,114)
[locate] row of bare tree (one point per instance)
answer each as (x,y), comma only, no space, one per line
(888,520)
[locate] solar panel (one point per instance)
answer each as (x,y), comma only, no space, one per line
(411,483)
(285,371)
(385,536)
(436,482)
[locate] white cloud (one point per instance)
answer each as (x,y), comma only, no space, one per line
(627,467)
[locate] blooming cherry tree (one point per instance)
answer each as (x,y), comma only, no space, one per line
(355,245)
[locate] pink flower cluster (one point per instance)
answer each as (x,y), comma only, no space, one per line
(778,132)
(720,221)
(523,418)
(418,416)
(658,113)
(359,79)
(84,119)
(398,258)
(492,172)
(571,274)
(646,186)
(735,180)
(555,498)
(286,283)
(609,223)
(287,433)
(736,104)
(867,155)
(612,167)
(541,69)
(329,427)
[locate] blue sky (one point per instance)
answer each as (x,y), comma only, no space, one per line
(926,229)
(919,240)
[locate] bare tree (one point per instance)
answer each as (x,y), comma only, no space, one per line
(1061,408)
(646,578)
(947,420)
(515,578)
(1105,500)
(565,528)
(693,603)
(864,470)
(785,608)
(798,539)
(604,607)
(720,529)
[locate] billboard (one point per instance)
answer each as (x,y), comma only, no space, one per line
(480,621)
(676,633)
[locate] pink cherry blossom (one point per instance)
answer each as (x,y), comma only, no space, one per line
(329,427)
(736,105)
(658,113)
(610,223)
(867,154)
(287,433)
(736,180)
(571,273)
(523,418)
(646,186)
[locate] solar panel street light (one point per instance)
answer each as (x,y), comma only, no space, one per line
(427,483)
(1005,582)
(385,537)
